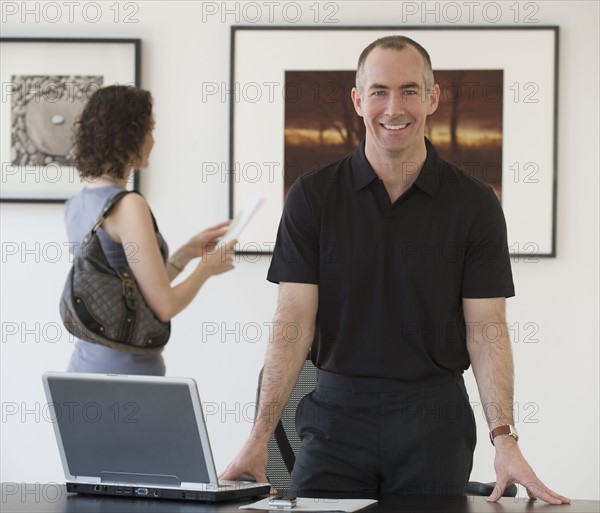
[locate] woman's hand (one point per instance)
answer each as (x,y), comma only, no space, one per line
(220,259)
(204,242)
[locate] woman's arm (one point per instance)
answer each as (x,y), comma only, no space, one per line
(130,224)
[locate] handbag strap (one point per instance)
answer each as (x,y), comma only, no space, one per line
(114,200)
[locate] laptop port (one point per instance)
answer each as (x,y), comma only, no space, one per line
(100,488)
(156,493)
(141,491)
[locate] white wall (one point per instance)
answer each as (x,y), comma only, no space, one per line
(557,379)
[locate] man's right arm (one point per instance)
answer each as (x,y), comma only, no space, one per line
(293,334)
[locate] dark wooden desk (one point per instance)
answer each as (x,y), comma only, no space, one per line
(53,498)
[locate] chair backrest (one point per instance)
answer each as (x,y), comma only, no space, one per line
(284,444)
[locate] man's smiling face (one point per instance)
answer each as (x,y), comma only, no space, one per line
(393,101)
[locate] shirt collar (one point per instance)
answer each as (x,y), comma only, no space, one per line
(428,180)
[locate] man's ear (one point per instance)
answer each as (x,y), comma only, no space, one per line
(434,99)
(357,101)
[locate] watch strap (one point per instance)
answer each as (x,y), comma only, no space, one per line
(507,429)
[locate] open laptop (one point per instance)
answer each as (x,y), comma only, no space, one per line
(138,436)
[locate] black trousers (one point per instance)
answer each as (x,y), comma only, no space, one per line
(385,436)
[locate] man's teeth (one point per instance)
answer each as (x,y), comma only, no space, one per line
(395,127)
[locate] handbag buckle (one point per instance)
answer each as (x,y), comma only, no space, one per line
(129,291)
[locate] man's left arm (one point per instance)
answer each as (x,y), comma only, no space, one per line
(490,351)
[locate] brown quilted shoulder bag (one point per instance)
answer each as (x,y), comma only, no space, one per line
(103,304)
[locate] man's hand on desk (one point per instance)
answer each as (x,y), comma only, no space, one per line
(511,467)
(251,461)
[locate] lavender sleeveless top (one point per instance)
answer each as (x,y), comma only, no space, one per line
(81,212)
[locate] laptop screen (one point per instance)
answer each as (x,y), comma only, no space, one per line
(115,426)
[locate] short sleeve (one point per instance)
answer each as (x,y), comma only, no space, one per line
(487,272)
(296,253)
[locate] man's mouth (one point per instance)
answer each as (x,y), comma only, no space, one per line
(394,127)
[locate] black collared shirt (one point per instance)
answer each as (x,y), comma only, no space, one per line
(392,276)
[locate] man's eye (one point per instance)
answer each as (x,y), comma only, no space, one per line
(378,93)
(410,92)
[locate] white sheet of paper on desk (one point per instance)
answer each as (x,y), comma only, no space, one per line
(308,504)
(242,218)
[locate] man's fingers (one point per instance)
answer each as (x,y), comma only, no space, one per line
(536,490)
(228,475)
(563,499)
(232,474)
(498,491)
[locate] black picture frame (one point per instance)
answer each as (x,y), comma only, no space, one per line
(45,84)
(260,55)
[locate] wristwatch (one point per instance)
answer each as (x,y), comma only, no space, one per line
(504,430)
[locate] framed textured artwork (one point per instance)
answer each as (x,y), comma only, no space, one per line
(291,112)
(45,84)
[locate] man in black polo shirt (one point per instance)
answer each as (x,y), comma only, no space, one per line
(400,261)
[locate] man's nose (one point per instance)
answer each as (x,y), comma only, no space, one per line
(395,105)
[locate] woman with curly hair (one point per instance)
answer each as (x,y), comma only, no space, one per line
(113,136)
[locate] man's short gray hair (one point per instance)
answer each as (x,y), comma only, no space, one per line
(394,43)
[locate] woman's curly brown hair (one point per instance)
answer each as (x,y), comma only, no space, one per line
(111,130)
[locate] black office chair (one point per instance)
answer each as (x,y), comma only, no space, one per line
(284,443)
